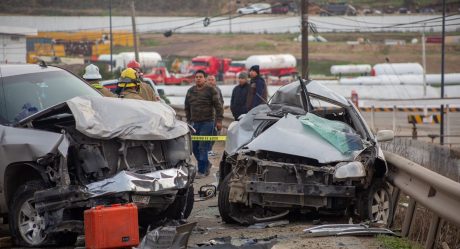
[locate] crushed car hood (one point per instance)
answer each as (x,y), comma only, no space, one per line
(108,118)
(290,136)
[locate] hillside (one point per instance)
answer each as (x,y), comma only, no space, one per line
(176,7)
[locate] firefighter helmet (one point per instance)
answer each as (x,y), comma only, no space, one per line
(128,78)
(92,73)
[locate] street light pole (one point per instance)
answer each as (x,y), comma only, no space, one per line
(111,37)
(442,69)
(133,19)
(230,16)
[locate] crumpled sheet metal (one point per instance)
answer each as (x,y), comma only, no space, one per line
(125,181)
(109,118)
(20,144)
(344,230)
(298,140)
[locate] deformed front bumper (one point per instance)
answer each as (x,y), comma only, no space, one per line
(158,183)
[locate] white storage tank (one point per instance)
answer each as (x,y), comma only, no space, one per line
(351,69)
(146,59)
(397,69)
(272,61)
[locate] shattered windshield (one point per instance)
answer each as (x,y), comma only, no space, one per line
(30,93)
(338,134)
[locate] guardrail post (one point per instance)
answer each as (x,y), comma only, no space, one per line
(395,200)
(447,125)
(432,233)
(394,118)
(408,218)
(373,118)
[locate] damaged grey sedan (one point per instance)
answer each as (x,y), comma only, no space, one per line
(64,148)
(307,150)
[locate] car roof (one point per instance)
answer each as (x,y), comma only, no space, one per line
(7,70)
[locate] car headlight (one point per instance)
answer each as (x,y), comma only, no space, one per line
(349,171)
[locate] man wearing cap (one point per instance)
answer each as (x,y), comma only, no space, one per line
(202,109)
(238,103)
(258,88)
(92,76)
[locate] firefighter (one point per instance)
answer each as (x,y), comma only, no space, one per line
(92,76)
(129,85)
(145,91)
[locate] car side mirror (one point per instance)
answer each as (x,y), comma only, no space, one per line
(385,135)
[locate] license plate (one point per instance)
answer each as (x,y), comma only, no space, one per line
(141,199)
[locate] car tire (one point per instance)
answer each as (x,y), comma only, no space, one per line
(22,211)
(174,210)
(377,205)
(225,207)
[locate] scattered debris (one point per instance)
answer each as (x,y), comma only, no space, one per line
(345,229)
(269,224)
(241,243)
(167,237)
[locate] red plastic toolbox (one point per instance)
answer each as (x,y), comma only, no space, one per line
(113,226)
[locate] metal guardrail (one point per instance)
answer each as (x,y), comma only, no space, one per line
(437,193)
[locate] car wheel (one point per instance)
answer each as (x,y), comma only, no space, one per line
(26,225)
(225,206)
(378,204)
(181,204)
(236,212)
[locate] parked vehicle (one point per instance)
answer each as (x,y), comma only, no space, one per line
(64,148)
(257,8)
(338,9)
(161,75)
(146,59)
(279,8)
(274,65)
(327,160)
(235,68)
(211,65)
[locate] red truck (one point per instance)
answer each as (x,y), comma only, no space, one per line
(211,65)
(161,75)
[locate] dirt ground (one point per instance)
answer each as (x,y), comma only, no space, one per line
(210,225)
(240,46)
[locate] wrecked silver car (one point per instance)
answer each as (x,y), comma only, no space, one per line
(308,149)
(65,148)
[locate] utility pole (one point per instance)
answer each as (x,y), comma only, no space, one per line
(133,18)
(230,16)
(111,37)
(304,43)
(441,135)
(424,60)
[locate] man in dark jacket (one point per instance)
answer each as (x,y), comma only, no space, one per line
(258,90)
(202,108)
(238,103)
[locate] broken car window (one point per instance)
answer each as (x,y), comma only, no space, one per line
(30,93)
(337,133)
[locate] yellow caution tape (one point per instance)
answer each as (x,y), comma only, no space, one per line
(209,138)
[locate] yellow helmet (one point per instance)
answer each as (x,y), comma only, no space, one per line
(128,78)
